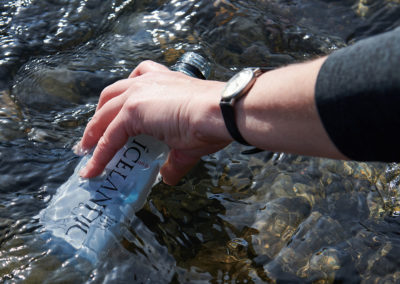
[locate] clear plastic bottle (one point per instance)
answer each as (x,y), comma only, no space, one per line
(85,215)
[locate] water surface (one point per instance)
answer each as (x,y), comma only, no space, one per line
(234,218)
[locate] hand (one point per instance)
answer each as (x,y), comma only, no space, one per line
(170,106)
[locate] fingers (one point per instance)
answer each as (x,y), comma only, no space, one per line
(100,121)
(107,129)
(121,86)
(113,91)
(111,125)
(147,66)
(177,165)
(114,138)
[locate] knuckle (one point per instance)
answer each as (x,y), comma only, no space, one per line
(106,93)
(137,85)
(104,145)
(142,68)
(149,66)
(135,117)
(146,64)
(131,107)
(93,122)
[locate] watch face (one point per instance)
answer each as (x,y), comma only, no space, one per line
(236,85)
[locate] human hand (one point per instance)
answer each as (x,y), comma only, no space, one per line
(177,109)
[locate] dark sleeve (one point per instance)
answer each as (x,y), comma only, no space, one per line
(358,98)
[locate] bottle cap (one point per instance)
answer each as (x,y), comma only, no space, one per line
(194,65)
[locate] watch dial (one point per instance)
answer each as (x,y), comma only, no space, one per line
(237,83)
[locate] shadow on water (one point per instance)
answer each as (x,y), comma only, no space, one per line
(234,218)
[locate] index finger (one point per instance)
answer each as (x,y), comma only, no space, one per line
(113,139)
(147,66)
(100,122)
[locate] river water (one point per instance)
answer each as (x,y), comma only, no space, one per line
(234,218)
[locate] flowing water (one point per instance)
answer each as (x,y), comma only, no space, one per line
(234,218)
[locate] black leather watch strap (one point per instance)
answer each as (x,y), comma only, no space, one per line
(228,113)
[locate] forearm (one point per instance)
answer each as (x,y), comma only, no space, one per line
(279,113)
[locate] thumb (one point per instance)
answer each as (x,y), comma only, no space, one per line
(177,165)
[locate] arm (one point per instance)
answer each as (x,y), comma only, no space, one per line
(278,114)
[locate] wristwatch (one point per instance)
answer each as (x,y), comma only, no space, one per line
(237,87)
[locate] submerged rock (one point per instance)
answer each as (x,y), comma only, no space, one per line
(11,118)
(277,223)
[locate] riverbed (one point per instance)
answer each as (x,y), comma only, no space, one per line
(266,217)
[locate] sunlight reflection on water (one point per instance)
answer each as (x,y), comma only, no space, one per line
(257,218)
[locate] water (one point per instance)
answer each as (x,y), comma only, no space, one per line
(234,218)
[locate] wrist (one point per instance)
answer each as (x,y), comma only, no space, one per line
(207,121)
(236,88)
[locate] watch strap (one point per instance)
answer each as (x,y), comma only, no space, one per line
(228,113)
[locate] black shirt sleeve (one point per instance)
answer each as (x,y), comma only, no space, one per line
(358,98)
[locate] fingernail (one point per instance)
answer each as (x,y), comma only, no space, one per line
(83,172)
(79,150)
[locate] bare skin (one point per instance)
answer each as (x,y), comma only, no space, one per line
(278,114)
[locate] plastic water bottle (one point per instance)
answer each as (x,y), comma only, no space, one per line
(85,216)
